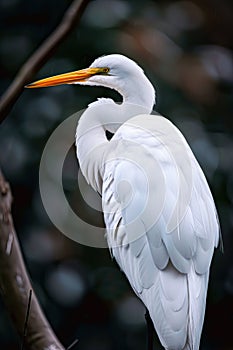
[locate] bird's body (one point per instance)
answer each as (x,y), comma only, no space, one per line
(161,221)
(162,267)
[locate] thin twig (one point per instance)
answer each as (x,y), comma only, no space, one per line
(40,56)
(72,345)
(26,319)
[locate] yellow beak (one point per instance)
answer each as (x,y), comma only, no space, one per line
(67,78)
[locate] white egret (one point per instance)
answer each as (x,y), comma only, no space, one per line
(160,216)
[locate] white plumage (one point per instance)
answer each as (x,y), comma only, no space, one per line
(160,216)
(168,270)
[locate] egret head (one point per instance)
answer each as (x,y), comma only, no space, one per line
(114,71)
(104,70)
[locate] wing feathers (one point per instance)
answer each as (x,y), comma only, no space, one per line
(167,265)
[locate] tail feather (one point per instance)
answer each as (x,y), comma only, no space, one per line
(169,307)
(177,313)
(197,289)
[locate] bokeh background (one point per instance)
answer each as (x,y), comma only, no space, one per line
(184,48)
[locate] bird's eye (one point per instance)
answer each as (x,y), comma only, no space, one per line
(106,70)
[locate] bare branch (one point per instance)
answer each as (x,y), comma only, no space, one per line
(41,55)
(26,319)
(15,284)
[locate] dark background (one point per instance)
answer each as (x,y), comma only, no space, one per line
(184,48)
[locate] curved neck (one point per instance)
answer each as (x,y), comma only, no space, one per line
(102,115)
(139,91)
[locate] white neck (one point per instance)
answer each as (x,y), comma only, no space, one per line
(140,92)
(105,114)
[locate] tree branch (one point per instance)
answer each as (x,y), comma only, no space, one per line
(15,284)
(41,55)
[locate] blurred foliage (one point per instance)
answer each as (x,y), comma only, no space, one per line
(184,48)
